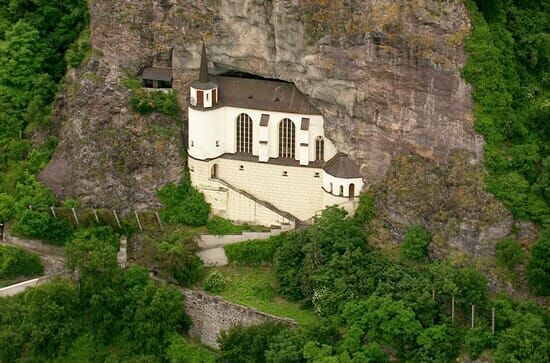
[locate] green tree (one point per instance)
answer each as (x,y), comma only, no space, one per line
(538,269)
(509,253)
(416,242)
(177,255)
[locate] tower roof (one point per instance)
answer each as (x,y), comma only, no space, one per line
(203,74)
(341,166)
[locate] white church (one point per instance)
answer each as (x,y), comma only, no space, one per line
(258,152)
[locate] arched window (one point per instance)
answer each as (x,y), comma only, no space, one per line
(244,134)
(330,188)
(287,139)
(320,148)
(214,171)
(351,191)
(341,190)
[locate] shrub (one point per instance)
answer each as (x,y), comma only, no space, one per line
(7,207)
(538,269)
(183,203)
(473,286)
(366,210)
(264,291)
(477,341)
(42,225)
(289,260)
(177,255)
(221,226)
(254,252)
(214,283)
(79,49)
(15,262)
(509,253)
(146,102)
(248,344)
(416,242)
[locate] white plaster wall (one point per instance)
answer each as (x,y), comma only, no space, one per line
(228,203)
(345,183)
(299,193)
(220,124)
(205,129)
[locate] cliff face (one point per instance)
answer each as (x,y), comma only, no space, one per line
(385,75)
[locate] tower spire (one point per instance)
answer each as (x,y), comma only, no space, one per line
(203,75)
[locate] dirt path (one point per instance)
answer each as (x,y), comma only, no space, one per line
(52,256)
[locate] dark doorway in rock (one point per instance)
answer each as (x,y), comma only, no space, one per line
(351,191)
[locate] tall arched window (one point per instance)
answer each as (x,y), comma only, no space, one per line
(244,134)
(287,139)
(320,148)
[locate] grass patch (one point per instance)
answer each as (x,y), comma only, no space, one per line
(256,287)
(221,226)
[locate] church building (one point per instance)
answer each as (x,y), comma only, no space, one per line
(258,152)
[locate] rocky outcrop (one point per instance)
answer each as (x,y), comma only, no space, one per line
(449,200)
(384,74)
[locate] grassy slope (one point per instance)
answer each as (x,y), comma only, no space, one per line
(256,287)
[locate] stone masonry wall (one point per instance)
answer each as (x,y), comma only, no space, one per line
(211,315)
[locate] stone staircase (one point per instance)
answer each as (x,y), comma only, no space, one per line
(212,246)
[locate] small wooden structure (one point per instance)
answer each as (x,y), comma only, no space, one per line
(157,77)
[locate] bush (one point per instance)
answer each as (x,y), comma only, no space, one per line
(7,207)
(221,226)
(509,253)
(254,252)
(477,341)
(79,49)
(366,210)
(183,203)
(416,242)
(289,261)
(15,262)
(177,255)
(248,344)
(146,102)
(538,269)
(214,283)
(41,225)
(473,286)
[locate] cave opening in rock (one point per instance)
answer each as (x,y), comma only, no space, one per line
(245,75)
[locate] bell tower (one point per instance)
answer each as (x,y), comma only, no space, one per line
(204,91)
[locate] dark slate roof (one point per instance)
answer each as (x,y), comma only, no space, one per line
(305,124)
(264,120)
(341,166)
(203,74)
(262,94)
(157,74)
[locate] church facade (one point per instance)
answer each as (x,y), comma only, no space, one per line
(258,152)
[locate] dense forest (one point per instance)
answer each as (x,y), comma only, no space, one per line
(372,306)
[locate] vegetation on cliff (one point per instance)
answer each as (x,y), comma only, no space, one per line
(508,65)
(34,36)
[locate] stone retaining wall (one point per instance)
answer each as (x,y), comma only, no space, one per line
(211,315)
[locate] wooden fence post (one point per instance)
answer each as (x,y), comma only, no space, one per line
(75,217)
(433,294)
(52,209)
(116,219)
(159,221)
(138,222)
(96,217)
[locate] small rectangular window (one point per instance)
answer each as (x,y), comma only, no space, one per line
(316,175)
(191,169)
(285,173)
(241,167)
(192,143)
(217,144)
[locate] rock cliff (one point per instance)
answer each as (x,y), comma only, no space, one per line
(385,75)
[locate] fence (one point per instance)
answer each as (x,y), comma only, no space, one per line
(464,313)
(142,220)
